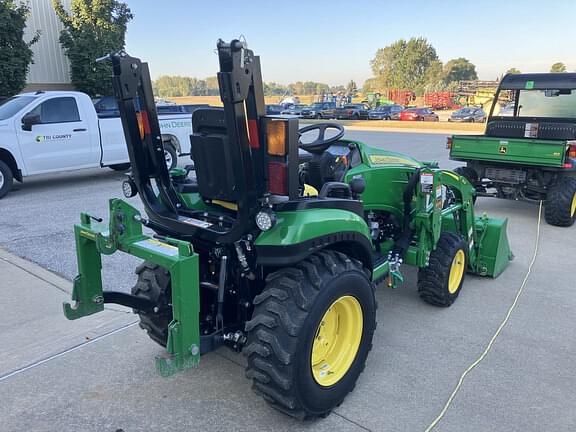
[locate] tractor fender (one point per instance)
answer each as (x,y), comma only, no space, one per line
(298,234)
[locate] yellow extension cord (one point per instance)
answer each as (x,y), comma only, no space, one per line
(504,322)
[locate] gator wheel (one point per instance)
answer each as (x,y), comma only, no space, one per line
(310,334)
(560,209)
(440,283)
(154,284)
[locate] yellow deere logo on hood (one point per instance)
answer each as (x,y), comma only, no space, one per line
(502,150)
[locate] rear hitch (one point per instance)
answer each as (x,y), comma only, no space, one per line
(124,233)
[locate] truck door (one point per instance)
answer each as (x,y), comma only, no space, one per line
(58,139)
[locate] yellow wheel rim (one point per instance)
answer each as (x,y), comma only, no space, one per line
(456,271)
(573,211)
(337,341)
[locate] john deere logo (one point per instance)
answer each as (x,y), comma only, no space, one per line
(40,138)
(502,150)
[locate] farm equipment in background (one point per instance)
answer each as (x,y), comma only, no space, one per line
(476,93)
(442,100)
(277,244)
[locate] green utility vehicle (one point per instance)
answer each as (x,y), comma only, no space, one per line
(528,151)
(277,243)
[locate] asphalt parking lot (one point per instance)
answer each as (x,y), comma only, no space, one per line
(525,384)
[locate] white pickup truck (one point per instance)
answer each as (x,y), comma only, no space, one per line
(56,131)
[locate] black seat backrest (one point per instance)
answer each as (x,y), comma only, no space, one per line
(517,129)
(212,155)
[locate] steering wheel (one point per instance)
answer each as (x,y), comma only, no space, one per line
(321,144)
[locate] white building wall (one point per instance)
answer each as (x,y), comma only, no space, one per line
(50,65)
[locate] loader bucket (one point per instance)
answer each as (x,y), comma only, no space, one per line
(494,252)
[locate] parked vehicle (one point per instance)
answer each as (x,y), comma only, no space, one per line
(506,111)
(319,110)
(386,112)
(57,131)
(106,106)
(274,109)
(419,114)
(529,151)
(294,110)
(352,112)
(468,115)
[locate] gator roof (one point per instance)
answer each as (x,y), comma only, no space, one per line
(541,81)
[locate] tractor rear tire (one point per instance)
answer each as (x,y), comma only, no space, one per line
(154,284)
(306,320)
(560,208)
(441,281)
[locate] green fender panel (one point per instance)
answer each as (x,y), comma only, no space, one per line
(299,233)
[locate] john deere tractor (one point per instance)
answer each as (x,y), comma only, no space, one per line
(273,246)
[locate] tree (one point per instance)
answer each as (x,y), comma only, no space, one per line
(558,67)
(459,69)
(513,71)
(15,54)
(404,64)
(92,29)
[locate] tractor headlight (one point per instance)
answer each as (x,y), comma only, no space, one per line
(265,220)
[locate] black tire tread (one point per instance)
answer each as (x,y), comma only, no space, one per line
(273,332)
(154,284)
(433,278)
(558,202)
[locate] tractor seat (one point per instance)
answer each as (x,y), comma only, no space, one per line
(212,156)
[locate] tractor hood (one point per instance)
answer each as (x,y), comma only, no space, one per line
(378,157)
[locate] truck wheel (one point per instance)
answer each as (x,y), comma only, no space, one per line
(560,209)
(6,179)
(170,155)
(441,281)
(154,284)
(469,174)
(310,334)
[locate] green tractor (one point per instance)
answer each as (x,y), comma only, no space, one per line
(276,246)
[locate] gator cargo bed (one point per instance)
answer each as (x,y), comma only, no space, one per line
(522,151)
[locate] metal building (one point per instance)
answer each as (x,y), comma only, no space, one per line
(51,69)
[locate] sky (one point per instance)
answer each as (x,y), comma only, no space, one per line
(334,41)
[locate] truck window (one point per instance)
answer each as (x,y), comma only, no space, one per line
(11,106)
(547,103)
(58,110)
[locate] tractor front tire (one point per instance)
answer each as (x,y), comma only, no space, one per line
(441,281)
(154,284)
(560,208)
(310,334)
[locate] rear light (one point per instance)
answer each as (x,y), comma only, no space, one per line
(143,123)
(276,138)
(449,143)
(571,152)
(278,178)
(253,134)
